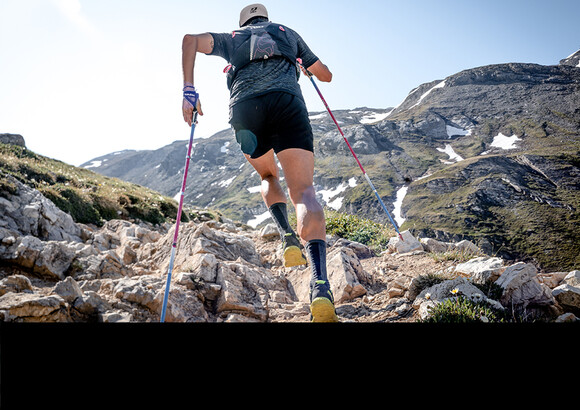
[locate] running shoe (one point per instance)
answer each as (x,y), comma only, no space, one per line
(322,303)
(292,253)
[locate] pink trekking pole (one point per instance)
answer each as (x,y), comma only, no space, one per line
(309,75)
(178,220)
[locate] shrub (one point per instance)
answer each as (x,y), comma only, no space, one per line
(461,309)
(355,228)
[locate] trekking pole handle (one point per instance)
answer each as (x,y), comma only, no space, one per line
(304,70)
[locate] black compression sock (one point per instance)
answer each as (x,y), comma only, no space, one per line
(316,251)
(279,213)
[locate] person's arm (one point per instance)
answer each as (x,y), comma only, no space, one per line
(191,45)
(315,66)
(321,71)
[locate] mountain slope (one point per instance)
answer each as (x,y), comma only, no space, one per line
(520,184)
(89,197)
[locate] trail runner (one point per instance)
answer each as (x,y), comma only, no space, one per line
(269,117)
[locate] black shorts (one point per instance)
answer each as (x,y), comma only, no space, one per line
(276,120)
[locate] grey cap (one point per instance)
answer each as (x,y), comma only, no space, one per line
(251,11)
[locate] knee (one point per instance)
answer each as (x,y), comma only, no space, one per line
(305,196)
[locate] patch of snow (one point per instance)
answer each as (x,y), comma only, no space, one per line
(439,85)
(336,203)
(224,147)
(254,189)
(317,116)
(452,154)
(504,142)
(398,203)
(451,131)
(374,117)
(259,219)
(227,182)
(94,164)
(328,194)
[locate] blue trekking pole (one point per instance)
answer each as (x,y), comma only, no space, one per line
(178,220)
(309,75)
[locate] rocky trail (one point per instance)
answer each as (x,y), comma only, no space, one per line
(55,270)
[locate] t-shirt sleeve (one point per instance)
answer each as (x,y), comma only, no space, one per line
(304,52)
(221,45)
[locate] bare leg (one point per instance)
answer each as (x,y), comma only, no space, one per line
(275,199)
(267,168)
(298,166)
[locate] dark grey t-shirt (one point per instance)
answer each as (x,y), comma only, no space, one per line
(264,76)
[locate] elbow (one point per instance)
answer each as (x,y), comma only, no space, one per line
(325,77)
(325,74)
(189,41)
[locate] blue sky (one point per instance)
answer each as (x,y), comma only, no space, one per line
(83,78)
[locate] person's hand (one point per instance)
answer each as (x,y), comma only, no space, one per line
(190,100)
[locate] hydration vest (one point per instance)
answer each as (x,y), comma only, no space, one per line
(259,42)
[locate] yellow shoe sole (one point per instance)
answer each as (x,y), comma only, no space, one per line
(293,257)
(323,311)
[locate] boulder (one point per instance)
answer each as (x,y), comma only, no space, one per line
(248,289)
(360,250)
(346,275)
(68,289)
(30,307)
(481,269)
(269,232)
(54,260)
(16,284)
(521,288)
(568,297)
(573,278)
(467,247)
(91,304)
(408,244)
(182,306)
(551,279)
(28,212)
(435,246)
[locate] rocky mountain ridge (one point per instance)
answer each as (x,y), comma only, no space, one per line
(490,154)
